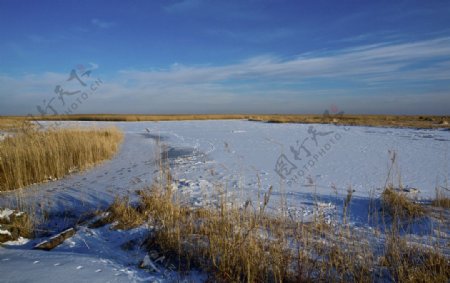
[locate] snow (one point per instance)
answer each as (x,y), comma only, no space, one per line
(6,213)
(236,159)
(20,241)
(92,255)
(4,135)
(5,232)
(148,263)
(60,267)
(243,155)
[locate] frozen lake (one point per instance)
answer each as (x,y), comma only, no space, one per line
(248,157)
(305,165)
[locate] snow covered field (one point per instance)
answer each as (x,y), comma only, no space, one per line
(301,162)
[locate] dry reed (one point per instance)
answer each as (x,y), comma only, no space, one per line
(37,156)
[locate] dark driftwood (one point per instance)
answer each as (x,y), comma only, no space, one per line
(56,240)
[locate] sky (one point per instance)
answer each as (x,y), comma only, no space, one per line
(208,56)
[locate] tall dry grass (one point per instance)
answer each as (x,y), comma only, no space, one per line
(411,121)
(413,263)
(12,123)
(245,243)
(399,206)
(442,198)
(37,156)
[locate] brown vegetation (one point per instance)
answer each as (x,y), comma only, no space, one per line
(442,199)
(37,156)
(399,206)
(361,120)
(412,121)
(412,263)
(11,123)
(14,225)
(122,213)
(236,244)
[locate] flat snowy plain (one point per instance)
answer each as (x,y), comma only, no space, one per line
(305,164)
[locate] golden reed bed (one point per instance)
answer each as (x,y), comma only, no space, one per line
(416,121)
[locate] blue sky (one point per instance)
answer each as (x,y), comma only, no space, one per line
(199,56)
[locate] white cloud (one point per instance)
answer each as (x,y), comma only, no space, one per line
(182,6)
(102,24)
(35,38)
(366,64)
(385,77)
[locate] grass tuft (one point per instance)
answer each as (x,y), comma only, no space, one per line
(123,214)
(399,206)
(408,263)
(441,200)
(16,224)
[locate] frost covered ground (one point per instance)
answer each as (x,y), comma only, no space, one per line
(310,167)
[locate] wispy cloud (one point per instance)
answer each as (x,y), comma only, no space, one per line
(182,6)
(35,38)
(102,24)
(236,10)
(259,37)
(410,77)
(80,29)
(370,63)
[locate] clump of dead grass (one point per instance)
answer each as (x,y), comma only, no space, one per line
(441,199)
(399,206)
(15,224)
(412,263)
(36,156)
(122,214)
(241,243)
(225,241)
